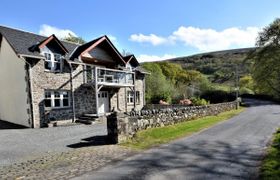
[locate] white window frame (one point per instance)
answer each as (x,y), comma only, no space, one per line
(130,97)
(53,61)
(61,98)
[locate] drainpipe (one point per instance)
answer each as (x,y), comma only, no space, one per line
(96,89)
(72,92)
(134,92)
(144,91)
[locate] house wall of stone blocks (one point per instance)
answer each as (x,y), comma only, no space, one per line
(118,99)
(42,80)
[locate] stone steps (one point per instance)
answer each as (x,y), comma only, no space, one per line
(87,119)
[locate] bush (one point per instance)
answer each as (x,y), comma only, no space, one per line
(245,90)
(218,96)
(196,101)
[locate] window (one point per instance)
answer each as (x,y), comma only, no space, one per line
(48,62)
(48,100)
(130,97)
(137,97)
(53,62)
(57,99)
(57,62)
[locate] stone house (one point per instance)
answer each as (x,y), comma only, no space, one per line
(45,80)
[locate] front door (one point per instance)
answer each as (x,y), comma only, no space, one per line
(103,102)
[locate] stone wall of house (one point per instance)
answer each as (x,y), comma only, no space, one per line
(123,126)
(43,80)
(118,99)
(85,100)
(138,87)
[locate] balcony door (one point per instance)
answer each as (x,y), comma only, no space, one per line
(103,102)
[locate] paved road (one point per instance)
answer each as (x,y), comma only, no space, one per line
(229,150)
(21,144)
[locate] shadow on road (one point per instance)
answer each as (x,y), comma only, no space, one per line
(201,160)
(248,102)
(91,141)
(7,125)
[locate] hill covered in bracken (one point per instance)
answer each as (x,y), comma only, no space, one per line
(219,67)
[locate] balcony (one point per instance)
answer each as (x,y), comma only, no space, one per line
(110,77)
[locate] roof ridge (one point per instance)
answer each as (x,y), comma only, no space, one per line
(18,29)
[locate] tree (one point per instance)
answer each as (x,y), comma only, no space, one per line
(169,81)
(74,39)
(266,60)
(157,86)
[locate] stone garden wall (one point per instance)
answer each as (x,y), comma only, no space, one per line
(124,126)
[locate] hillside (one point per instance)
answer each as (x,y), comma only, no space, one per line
(220,66)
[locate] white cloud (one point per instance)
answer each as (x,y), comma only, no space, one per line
(47,30)
(150,58)
(113,39)
(152,38)
(204,39)
(209,39)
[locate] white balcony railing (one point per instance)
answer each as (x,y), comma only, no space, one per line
(110,77)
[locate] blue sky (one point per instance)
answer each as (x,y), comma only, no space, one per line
(151,29)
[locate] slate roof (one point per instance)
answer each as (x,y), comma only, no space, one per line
(23,41)
(132,59)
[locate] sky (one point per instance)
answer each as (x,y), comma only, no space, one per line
(150,29)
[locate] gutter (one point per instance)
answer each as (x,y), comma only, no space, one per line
(31,56)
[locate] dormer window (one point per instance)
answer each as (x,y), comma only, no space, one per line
(53,62)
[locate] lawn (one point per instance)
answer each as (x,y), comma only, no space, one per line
(270,168)
(153,137)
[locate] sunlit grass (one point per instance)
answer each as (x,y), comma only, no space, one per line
(271,165)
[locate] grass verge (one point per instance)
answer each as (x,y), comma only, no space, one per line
(270,168)
(155,136)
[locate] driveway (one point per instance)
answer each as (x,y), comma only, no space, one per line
(230,150)
(19,144)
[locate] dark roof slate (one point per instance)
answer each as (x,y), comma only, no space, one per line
(134,62)
(23,41)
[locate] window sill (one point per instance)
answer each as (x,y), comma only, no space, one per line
(132,104)
(57,108)
(55,72)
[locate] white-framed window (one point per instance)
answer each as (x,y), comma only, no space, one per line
(130,97)
(57,99)
(53,62)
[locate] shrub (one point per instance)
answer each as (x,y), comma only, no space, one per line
(196,101)
(218,96)
(245,90)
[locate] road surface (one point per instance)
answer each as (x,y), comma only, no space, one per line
(230,150)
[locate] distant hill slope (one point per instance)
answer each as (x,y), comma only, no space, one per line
(220,66)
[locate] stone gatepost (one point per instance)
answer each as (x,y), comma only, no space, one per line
(117,125)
